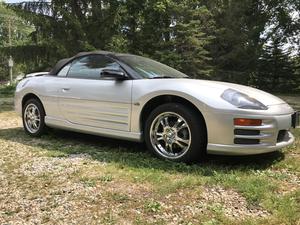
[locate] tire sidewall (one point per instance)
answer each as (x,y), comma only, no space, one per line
(197,149)
(42,126)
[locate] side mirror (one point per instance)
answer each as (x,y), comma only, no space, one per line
(113,74)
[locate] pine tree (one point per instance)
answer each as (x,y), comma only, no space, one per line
(192,34)
(174,32)
(276,71)
(243,28)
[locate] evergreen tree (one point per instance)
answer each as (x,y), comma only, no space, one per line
(228,39)
(191,34)
(296,62)
(174,32)
(243,28)
(276,71)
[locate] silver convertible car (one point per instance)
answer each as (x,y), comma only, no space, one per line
(135,98)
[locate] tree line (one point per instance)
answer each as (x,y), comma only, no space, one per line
(252,42)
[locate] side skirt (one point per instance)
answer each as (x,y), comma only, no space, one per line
(66,125)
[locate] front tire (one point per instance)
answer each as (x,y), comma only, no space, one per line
(176,132)
(33,116)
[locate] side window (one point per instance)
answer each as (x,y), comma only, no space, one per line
(90,67)
(64,71)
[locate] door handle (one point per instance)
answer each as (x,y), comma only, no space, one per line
(65,89)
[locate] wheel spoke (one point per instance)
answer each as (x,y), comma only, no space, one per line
(183,140)
(160,138)
(27,114)
(159,134)
(34,110)
(171,148)
(166,146)
(182,126)
(34,125)
(180,145)
(177,123)
(162,123)
(166,121)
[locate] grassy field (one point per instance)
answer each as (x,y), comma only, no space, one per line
(70,178)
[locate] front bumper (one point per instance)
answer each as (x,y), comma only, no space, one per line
(248,149)
(272,135)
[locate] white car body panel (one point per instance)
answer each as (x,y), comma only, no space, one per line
(113,108)
(101,104)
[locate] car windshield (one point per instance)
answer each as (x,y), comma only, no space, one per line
(150,69)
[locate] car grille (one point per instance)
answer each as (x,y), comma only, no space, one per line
(245,141)
(246,132)
(246,137)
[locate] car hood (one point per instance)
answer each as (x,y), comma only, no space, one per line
(219,87)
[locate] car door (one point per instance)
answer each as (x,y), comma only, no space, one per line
(86,99)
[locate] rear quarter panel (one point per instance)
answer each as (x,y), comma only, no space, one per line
(44,88)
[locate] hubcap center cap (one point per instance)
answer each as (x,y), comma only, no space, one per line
(169,135)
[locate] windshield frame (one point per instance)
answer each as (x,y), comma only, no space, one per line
(121,58)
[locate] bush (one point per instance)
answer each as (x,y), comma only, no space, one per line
(7,90)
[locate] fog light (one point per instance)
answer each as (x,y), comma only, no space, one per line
(247,122)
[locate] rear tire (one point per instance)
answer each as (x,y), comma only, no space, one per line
(176,132)
(33,115)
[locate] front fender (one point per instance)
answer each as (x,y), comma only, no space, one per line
(141,98)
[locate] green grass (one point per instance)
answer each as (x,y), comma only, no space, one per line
(67,176)
(7,91)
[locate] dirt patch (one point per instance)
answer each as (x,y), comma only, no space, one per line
(13,121)
(289,183)
(190,205)
(59,166)
(230,202)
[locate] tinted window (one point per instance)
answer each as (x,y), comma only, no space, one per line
(90,67)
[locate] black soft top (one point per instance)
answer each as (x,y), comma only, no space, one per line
(61,63)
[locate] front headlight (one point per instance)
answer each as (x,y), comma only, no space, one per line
(241,100)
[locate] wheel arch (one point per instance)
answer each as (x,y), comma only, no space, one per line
(161,99)
(29,96)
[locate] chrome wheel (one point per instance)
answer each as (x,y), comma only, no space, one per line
(170,135)
(32,118)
